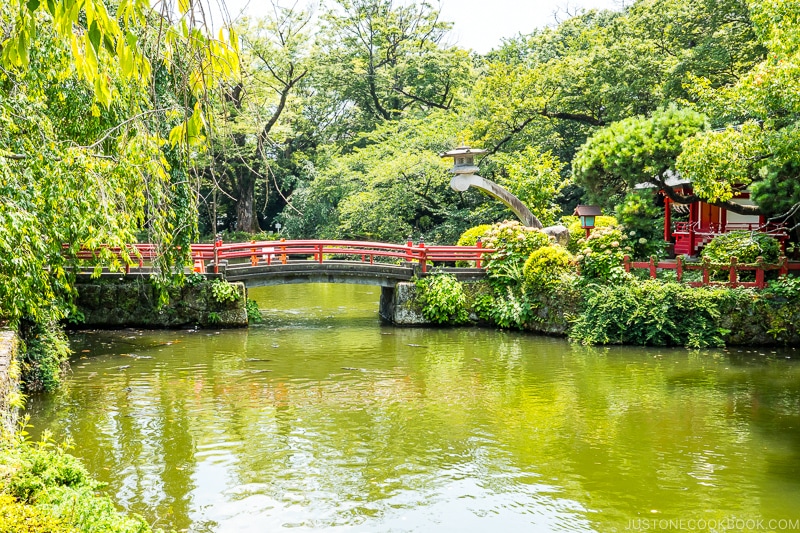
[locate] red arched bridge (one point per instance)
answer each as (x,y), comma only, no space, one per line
(259,263)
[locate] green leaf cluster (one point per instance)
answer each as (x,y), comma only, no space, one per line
(745,246)
(652,313)
(443,299)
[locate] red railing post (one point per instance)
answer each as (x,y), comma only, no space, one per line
(760,283)
(283,249)
(217,245)
(479,245)
(409,245)
(626,261)
(253,256)
(320,254)
(423,256)
(653,273)
(733,277)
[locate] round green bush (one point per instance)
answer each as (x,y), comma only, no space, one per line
(471,236)
(745,246)
(546,266)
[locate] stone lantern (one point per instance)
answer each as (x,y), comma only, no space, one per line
(465,176)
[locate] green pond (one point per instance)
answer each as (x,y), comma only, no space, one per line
(324,419)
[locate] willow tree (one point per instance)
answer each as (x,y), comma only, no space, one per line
(101,109)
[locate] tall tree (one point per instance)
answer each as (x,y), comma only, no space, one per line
(275,53)
(385,59)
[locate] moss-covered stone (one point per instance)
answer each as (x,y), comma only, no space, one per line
(133,302)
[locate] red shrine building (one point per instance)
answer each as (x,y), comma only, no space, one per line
(706,221)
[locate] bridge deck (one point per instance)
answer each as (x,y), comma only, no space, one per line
(355,272)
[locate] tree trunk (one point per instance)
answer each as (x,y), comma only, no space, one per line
(246,219)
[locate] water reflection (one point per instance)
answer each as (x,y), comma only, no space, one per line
(324,419)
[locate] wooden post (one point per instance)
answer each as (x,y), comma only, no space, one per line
(760,283)
(733,277)
(253,257)
(479,244)
(705,272)
(653,273)
(667,219)
(626,261)
(783,264)
(679,269)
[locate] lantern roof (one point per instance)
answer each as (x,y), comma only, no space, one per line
(587,211)
(463,150)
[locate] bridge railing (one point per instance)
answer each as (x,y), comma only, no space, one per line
(269,252)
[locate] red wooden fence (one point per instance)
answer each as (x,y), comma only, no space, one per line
(783,266)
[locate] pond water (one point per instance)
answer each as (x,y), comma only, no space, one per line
(325,419)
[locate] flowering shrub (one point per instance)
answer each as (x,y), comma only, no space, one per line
(576,232)
(601,255)
(513,243)
(546,266)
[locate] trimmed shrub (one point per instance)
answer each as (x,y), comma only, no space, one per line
(745,246)
(470,237)
(546,267)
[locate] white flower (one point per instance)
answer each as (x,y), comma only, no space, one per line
(642,240)
(632,233)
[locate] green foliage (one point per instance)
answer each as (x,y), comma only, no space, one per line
(546,267)
(504,306)
(576,232)
(16,517)
(253,312)
(443,299)
(213,318)
(471,236)
(513,244)
(634,150)
(44,355)
(535,178)
(652,313)
(746,246)
(784,288)
(643,222)
(53,493)
(601,255)
(223,292)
